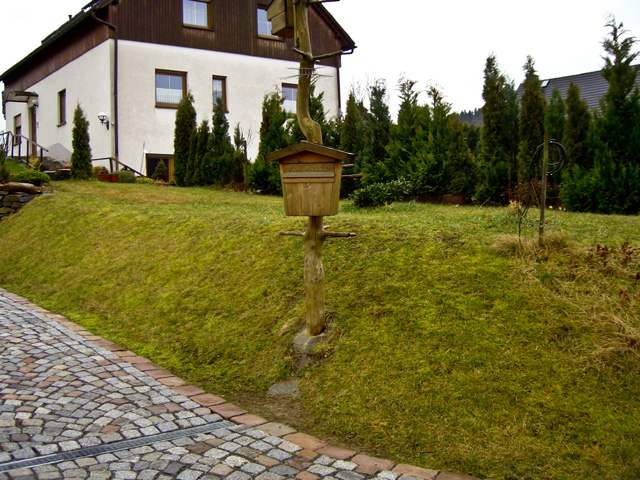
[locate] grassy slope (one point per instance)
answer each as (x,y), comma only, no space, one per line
(444,354)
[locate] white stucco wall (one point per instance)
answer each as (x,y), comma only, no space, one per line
(143,126)
(248,79)
(87,81)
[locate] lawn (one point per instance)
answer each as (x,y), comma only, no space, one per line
(444,352)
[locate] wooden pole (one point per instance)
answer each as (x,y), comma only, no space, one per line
(543,188)
(314,237)
(314,276)
(310,128)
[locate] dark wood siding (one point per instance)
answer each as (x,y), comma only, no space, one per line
(160,21)
(56,55)
(234,28)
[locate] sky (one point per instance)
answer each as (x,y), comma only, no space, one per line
(443,43)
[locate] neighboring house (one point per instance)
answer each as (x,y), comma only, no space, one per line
(129,62)
(592,85)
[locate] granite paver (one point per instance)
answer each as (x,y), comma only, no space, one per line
(78,406)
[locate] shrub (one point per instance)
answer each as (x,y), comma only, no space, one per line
(161,172)
(144,180)
(4,170)
(32,177)
(125,176)
(99,170)
(378,194)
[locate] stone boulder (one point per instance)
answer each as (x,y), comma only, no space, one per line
(20,187)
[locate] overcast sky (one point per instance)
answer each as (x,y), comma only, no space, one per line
(445,43)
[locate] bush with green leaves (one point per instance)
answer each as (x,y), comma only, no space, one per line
(144,180)
(125,176)
(31,176)
(378,194)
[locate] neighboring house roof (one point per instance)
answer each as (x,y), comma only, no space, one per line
(592,85)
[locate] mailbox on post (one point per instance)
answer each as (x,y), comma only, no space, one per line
(310,176)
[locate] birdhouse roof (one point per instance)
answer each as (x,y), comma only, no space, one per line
(308,147)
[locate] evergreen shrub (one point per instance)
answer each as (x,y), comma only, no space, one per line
(31,176)
(125,176)
(378,194)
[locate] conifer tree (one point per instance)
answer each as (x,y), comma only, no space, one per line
(185,129)
(554,121)
(81,156)
(198,172)
(161,173)
(189,178)
(239,157)
(576,132)
(264,177)
(377,133)
(499,136)
(220,150)
(352,118)
(461,172)
(493,113)
(531,126)
(613,185)
(401,149)
(618,126)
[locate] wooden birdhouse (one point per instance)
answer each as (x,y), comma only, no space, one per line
(280,13)
(310,176)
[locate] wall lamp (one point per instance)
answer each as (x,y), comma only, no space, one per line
(104,119)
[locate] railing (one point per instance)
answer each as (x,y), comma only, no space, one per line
(114,162)
(9,142)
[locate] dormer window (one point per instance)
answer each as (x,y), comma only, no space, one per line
(196,13)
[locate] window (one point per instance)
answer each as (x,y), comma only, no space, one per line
(220,92)
(264,25)
(62,107)
(196,13)
(290,95)
(170,87)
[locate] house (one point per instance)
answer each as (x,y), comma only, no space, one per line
(593,87)
(128,63)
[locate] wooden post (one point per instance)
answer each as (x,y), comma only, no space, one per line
(543,188)
(313,269)
(314,276)
(310,128)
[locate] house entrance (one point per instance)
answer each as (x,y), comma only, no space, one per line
(154,159)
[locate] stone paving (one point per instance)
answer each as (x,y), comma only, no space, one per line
(77,406)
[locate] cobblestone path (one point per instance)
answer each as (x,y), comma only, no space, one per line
(74,405)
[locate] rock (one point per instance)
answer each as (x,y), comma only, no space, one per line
(20,187)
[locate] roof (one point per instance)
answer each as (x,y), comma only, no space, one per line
(74,21)
(345,40)
(308,147)
(593,87)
